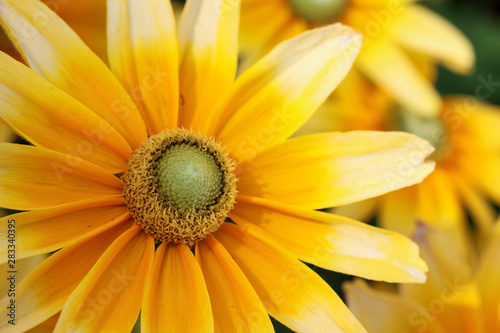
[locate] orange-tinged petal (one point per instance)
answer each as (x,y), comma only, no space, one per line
(47,326)
(383,312)
(53,50)
(60,226)
(235,304)
(390,68)
(176,297)
(334,242)
(278,94)
(48,117)
(37,178)
(142,48)
(77,14)
(109,298)
(208,35)
(423,31)
(291,292)
(331,169)
(44,291)
(6,134)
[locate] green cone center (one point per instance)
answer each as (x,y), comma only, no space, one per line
(189,178)
(319,11)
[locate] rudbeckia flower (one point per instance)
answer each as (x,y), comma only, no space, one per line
(391,29)
(459,296)
(166,148)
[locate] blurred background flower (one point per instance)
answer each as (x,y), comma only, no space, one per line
(461,197)
(462,293)
(392,32)
(466,178)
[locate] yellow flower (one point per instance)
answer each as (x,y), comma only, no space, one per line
(466,178)
(459,295)
(391,29)
(149,152)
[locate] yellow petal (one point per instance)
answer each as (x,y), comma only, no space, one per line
(383,312)
(208,35)
(474,120)
(47,326)
(235,305)
(109,297)
(48,117)
(142,48)
(334,242)
(176,297)
(331,169)
(482,212)
(43,292)
(277,95)
(291,292)
(53,50)
(60,226)
(481,169)
(398,210)
(390,68)
(36,178)
(422,30)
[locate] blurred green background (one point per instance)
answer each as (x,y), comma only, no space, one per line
(480,22)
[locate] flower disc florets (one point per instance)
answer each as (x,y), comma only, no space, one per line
(179,186)
(319,11)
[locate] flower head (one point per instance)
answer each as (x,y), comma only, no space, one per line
(393,32)
(460,295)
(118,157)
(463,183)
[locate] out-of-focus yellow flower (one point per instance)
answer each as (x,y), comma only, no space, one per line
(117,153)
(391,29)
(460,295)
(467,158)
